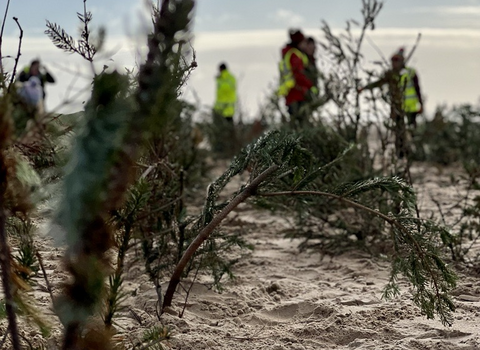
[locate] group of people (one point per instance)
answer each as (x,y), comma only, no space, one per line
(299,86)
(299,77)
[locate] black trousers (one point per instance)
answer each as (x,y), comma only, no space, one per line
(298,114)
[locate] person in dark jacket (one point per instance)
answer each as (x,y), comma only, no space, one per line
(35,70)
(295,85)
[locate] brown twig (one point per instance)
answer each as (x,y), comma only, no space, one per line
(207,230)
(1,36)
(377,49)
(419,36)
(189,289)
(47,282)
(12,78)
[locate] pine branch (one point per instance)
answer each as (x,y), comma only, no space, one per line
(84,44)
(321,170)
(393,185)
(60,38)
(93,186)
(422,257)
(64,41)
(205,233)
(17,57)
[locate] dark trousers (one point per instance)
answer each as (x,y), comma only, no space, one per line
(412,119)
(402,147)
(225,139)
(400,132)
(298,114)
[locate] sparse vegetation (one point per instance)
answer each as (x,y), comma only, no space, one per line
(134,177)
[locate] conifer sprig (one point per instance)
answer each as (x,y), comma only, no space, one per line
(416,256)
(93,186)
(85,46)
(61,38)
(393,185)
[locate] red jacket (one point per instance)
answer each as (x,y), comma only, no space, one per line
(302,83)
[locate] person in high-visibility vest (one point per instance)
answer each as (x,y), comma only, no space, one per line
(405,97)
(226,93)
(295,85)
(223,112)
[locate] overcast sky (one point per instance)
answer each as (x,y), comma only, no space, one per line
(248,35)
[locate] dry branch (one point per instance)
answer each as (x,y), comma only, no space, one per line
(207,230)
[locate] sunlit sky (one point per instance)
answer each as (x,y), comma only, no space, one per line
(248,35)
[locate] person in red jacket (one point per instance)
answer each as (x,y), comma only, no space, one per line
(295,84)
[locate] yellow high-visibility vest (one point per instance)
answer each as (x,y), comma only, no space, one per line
(226,94)
(410,97)
(287,80)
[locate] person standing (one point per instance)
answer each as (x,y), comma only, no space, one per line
(35,70)
(295,85)
(226,93)
(224,108)
(405,97)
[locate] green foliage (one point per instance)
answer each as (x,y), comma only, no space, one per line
(214,256)
(417,256)
(115,297)
(93,186)
(84,46)
(124,220)
(97,150)
(26,258)
(326,161)
(154,336)
(416,244)
(394,185)
(344,52)
(3,311)
(450,137)
(135,163)
(225,139)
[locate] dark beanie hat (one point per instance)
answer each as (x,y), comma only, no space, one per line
(296,36)
(399,55)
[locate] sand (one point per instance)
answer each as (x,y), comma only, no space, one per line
(282,298)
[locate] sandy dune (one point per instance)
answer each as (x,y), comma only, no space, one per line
(286,299)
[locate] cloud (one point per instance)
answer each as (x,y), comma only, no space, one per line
(287,17)
(219,20)
(205,41)
(227,17)
(450,10)
(237,39)
(453,38)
